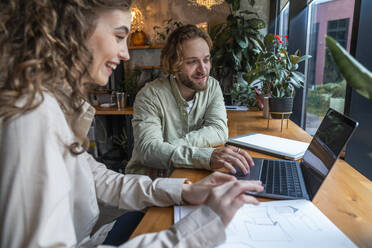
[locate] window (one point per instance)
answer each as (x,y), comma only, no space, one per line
(338,29)
(283,20)
(325,85)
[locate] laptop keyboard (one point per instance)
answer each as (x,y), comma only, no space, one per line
(280,177)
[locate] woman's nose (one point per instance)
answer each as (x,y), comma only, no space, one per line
(124,53)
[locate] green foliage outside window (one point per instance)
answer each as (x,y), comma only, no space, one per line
(319,97)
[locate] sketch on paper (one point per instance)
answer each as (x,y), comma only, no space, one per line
(293,223)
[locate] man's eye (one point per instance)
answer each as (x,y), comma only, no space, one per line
(120,37)
(191,62)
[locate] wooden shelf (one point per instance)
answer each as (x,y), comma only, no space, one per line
(145,47)
(114,111)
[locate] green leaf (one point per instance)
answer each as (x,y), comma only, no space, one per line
(247,12)
(215,30)
(222,38)
(303,58)
(219,54)
(236,61)
(257,23)
(235,5)
(257,43)
(294,82)
(243,43)
(298,76)
(294,59)
(355,73)
(268,40)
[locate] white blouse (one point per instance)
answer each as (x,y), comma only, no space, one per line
(52,198)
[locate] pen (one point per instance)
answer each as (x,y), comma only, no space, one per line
(230,107)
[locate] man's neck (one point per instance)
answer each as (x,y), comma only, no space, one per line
(187,93)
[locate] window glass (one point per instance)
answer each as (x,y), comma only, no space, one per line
(283,21)
(325,85)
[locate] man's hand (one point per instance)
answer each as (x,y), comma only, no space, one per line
(197,193)
(227,198)
(229,156)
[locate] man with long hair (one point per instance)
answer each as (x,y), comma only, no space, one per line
(178,120)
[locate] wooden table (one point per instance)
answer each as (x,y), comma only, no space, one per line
(345,197)
(113,111)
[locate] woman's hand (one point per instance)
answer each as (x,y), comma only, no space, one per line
(227,198)
(197,193)
(223,193)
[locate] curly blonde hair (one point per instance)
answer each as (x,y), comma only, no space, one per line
(42,48)
(171,55)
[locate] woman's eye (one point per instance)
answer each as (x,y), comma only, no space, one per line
(120,37)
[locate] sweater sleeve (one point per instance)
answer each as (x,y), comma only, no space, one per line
(201,228)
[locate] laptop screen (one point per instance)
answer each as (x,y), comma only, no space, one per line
(325,147)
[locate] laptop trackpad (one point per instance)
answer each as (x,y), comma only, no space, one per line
(254,173)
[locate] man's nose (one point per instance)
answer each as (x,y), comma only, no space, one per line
(202,68)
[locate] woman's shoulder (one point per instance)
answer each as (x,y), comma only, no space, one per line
(48,110)
(47,117)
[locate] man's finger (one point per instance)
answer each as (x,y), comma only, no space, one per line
(235,161)
(241,158)
(247,157)
(228,166)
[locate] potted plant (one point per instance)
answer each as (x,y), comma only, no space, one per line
(275,74)
(236,44)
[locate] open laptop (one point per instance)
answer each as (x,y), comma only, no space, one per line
(286,179)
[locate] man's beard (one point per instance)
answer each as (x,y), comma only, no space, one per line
(191,84)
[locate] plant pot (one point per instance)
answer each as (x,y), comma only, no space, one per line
(280,105)
(138,38)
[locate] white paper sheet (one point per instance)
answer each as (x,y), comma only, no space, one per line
(237,108)
(293,223)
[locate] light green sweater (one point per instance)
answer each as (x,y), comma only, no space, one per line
(167,137)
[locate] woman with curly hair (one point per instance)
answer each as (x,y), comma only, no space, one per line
(52,192)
